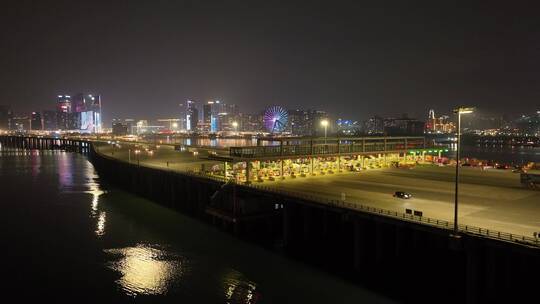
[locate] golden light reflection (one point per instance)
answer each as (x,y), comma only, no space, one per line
(93,189)
(96,192)
(100,229)
(238,289)
(146,270)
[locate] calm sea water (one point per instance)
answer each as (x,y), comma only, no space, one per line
(503,154)
(66,237)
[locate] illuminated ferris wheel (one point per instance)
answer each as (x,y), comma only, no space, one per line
(275,119)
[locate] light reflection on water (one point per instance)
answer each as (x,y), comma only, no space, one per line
(238,289)
(100,229)
(186,261)
(94,189)
(146,270)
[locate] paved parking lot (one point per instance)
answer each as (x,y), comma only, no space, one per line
(492,199)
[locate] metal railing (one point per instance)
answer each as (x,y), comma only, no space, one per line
(443,224)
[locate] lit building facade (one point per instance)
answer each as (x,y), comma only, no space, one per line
(374,126)
(63,108)
(441,124)
(191,116)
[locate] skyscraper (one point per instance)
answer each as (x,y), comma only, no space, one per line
(78,103)
(192,118)
(20,123)
(182,122)
(374,125)
(35,121)
(119,128)
(91,117)
(50,120)
(189,116)
(63,108)
(5,117)
(207,116)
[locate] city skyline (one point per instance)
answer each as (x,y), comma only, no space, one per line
(364,60)
(202,151)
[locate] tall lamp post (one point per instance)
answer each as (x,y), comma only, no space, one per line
(324,123)
(458,111)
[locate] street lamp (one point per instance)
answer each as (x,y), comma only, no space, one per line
(458,111)
(324,123)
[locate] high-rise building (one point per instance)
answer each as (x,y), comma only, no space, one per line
(250,122)
(50,120)
(91,117)
(403,126)
(431,122)
(182,122)
(35,121)
(81,112)
(63,108)
(74,120)
(5,117)
(192,119)
(189,116)
(78,103)
(20,123)
(313,123)
(119,128)
(207,116)
(298,122)
(374,125)
(128,123)
(348,127)
(89,108)
(142,126)
(440,124)
(305,122)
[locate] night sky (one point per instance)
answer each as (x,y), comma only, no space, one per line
(353,60)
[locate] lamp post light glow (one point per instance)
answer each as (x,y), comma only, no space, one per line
(458,111)
(324,123)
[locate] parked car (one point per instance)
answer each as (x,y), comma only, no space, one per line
(403,195)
